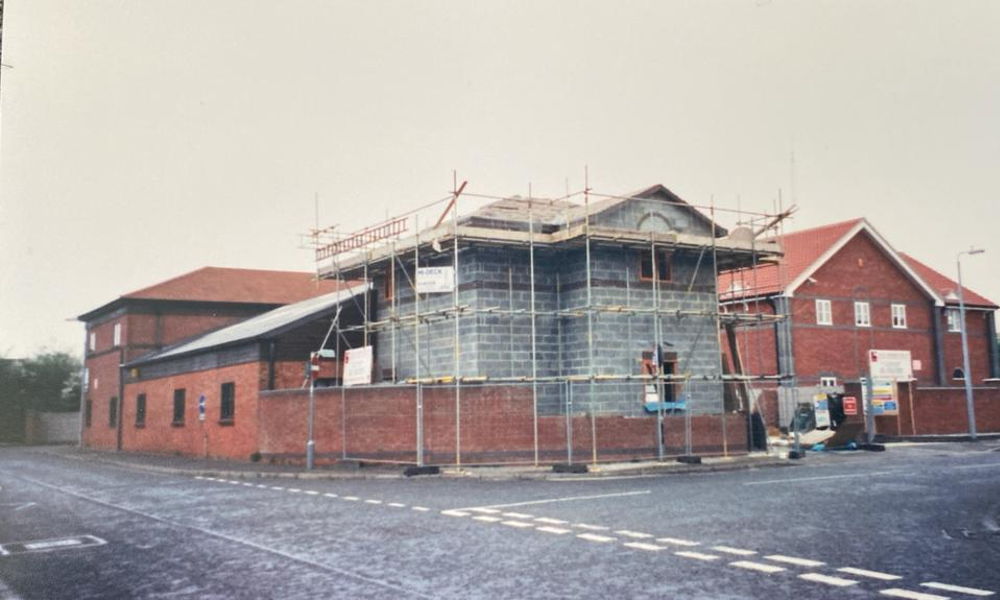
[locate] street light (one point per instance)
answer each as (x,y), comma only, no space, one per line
(967,376)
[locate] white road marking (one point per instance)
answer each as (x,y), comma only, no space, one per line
(47,545)
(947,587)
(828,579)
(247,484)
(454,513)
(980,466)
(555,530)
(898,593)
(591,527)
(634,534)
(550,521)
(233,482)
(756,566)
(565,499)
(514,515)
(262,486)
(312,492)
(420,508)
(349,498)
(820,478)
(644,546)
(294,490)
(487,518)
(396,505)
(593,537)
(199,477)
(871,574)
(330,495)
(519,524)
(373,501)
(736,551)
(277,487)
(793,560)
(489,511)
(677,541)
(696,555)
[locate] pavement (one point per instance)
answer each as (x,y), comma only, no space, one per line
(193,466)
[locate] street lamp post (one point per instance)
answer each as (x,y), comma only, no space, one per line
(966,374)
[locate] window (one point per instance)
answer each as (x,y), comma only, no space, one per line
(227,405)
(899,316)
(113,412)
(662,266)
(958,374)
(954,317)
(92,341)
(117,335)
(387,285)
(88,411)
(178,407)
(862,315)
(827,382)
(824,313)
(140,410)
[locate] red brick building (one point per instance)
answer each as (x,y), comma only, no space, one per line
(847,291)
(158,316)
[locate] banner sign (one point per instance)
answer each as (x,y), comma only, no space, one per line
(890,364)
(821,408)
(435,280)
(358,366)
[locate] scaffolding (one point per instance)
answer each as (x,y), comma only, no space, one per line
(394,248)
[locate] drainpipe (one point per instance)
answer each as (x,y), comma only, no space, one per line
(939,373)
(84,386)
(121,394)
(991,334)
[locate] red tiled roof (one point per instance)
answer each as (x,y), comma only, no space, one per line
(219,284)
(945,285)
(801,249)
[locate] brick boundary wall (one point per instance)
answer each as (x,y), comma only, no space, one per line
(942,411)
(496,427)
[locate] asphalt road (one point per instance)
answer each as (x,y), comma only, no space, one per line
(902,523)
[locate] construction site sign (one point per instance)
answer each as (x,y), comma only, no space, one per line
(883,400)
(850,405)
(358,366)
(821,408)
(890,364)
(435,280)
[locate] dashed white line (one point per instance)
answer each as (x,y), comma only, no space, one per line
(247,484)
(634,534)
(349,498)
(550,521)
(489,511)
(736,551)
(294,490)
(820,478)
(696,555)
(871,574)
(644,546)
(330,495)
(514,515)
(555,530)
(520,524)
(373,501)
(487,518)
(312,492)
(591,527)
(277,487)
(593,537)
(564,499)
(947,587)
(396,505)
(420,508)
(794,560)
(262,486)
(233,482)
(828,579)
(452,513)
(756,566)
(898,593)
(677,541)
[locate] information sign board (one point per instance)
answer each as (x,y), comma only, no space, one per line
(358,366)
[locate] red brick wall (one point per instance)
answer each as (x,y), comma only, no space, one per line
(975,322)
(757,343)
(101,387)
(940,411)
(194,438)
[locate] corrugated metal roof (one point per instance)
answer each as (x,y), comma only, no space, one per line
(261,325)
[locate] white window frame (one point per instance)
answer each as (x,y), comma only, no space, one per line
(954,317)
(92,341)
(898,316)
(862,314)
(827,382)
(117,336)
(824,312)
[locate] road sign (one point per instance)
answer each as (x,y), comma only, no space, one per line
(201,407)
(850,405)
(890,364)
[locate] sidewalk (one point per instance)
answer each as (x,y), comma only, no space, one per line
(182,465)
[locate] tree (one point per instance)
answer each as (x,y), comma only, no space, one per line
(48,382)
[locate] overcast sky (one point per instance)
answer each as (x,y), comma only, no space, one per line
(144,139)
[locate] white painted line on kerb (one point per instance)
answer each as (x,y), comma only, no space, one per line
(820,478)
(828,579)
(564,499)
(644,546)
(870,574)
(634,534)
(677,541)
(593,537)
(898,593)
(514,515)
(755,566)
(420,508)
(487,519)
(736,551)
(947,587)
(555,530)
(519,524)
(373,501)
(591,527)
(696,555)
(550,521)
(792,560)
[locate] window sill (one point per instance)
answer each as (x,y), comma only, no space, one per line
(226,422)
(177,424)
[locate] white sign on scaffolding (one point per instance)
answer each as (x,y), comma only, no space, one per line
(890,364)
(358,366)
(435,280)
